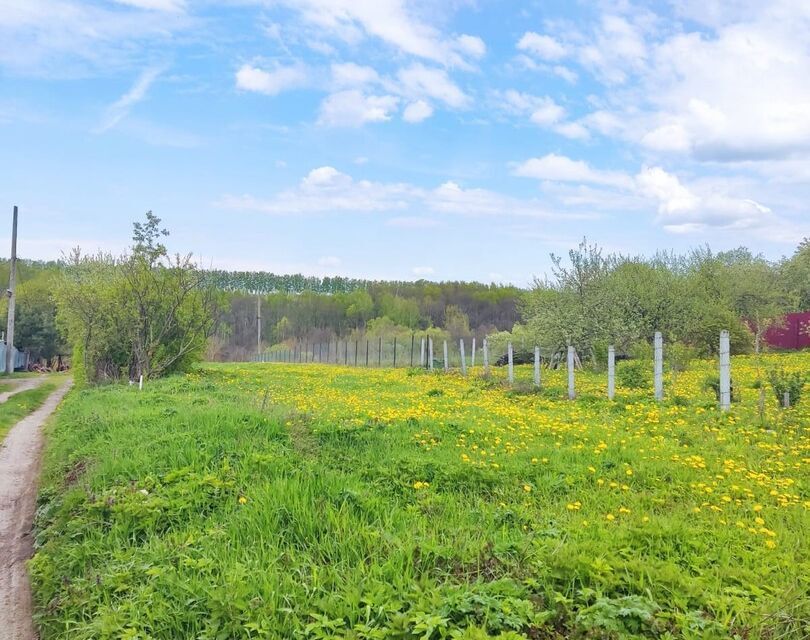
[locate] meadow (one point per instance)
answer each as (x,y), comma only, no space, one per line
(314,501)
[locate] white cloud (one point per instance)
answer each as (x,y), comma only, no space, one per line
(450,197)
(391,21)
(473,46)
(351,75)
(330,262)
(272,82)
(542,46)
(683,210)
(563,169)
(423,271)
(353,108)
(413,222)
(573,130)
(121,107)
(417,111)
(419,81)
(175,6)
(327,190)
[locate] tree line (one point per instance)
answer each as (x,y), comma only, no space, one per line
(148,312)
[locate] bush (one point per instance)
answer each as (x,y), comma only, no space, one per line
(634,375)
(783,382)
(712,383)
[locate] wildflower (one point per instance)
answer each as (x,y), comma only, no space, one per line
(242,500)
(610,517)
(527,488)
(757,508)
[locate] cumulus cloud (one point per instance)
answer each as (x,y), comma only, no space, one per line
(174,6)
(420,81)
(542,46)
(353,108)
(270,82)
(349,74)
(563,169)
(417,111)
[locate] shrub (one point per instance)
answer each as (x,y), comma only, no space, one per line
(783,382)
(634,375)
(712,383)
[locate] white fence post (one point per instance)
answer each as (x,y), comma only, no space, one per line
(509,357)
(463,357)
(422,352)
(486,356)
(786,400)
(611,372)
(472,355)
(570,367)
(537,367)
(446,363)
(725,371)
(659,366)
(430,353)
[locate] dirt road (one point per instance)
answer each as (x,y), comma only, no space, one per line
(19,467)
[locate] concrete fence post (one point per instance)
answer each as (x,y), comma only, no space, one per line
(786,400)
(463,357)
(658,366)
(472,355)
(510,362)
(611,372)
(570,368)
(430,353)
(537,367)
(446,361)
(486,356)
(725,371)
(422,352)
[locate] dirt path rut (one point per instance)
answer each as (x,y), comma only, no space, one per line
(19,467)
(23,384)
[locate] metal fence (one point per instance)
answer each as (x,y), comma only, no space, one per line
(20,358)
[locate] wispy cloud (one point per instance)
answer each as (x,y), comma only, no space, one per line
(120,108)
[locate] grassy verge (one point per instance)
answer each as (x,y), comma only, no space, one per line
(21,404)
(283,501)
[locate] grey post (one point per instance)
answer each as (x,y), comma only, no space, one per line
(446,363)
(786,400)
(611,372)
(422,352)
(463,357)
(472,355)
(537,367)
(725,371)
(12,297)
(486,357)
(659,366)
(430,353)
(570,367)
(509,357)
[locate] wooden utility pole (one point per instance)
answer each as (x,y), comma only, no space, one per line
(12,283)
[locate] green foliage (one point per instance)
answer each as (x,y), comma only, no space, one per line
(632,374)
(139,314)
(790,382)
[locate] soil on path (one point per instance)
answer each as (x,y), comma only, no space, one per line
(20,384)
(19,468)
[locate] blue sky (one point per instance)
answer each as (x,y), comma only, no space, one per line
(446,139)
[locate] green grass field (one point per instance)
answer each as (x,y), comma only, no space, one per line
(21,404)
(307,501)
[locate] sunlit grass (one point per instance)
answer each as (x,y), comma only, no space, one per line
(279,501)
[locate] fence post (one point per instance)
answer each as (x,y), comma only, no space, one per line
(379,352)
(463,358)
(355,353)
(430,353)
(659,366)
(413,339)
(725,371)
(537,367)
(786,400)
(486,357)
(570,367)
(345,352)
(472,354)
(422,362)
(446,363)
(366,353)
(395,352)
(611,372)
(509,357)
